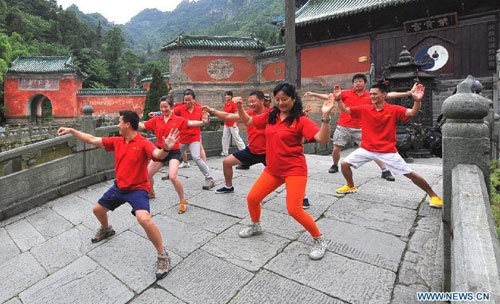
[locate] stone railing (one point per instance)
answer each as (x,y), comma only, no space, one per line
(467,154)
(17,136)
(475,250)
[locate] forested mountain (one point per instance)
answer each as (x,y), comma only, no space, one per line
(210,17)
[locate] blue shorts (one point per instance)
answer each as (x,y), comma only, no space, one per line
(115,197)
(248,158)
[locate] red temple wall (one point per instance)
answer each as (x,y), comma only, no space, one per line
(274,71)
(112,104)
(196,69)
(342,58)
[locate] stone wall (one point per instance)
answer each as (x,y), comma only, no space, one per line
(475,263)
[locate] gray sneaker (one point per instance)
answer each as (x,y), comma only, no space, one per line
(252,229)
(209,183)
(162,265)
(103,233)
(318,249)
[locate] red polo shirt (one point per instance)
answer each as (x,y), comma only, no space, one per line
(131,161)
(192,134)
(284,149)
(352,99)
(158,125)
(379,127)
(230,107)
(256,137)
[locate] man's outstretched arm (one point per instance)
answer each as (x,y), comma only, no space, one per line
(82,136)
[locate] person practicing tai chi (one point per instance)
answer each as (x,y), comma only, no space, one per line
(378,141)
(132,153)
(162,125)
(190,138)
(230,126)
(348,128)
(285,126)
(255,152)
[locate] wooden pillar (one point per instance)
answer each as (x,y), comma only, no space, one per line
(290,45)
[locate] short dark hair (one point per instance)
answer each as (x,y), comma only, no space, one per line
(359,76)
(131,117)
(382,87)
(259,94)
(168,98)
(230,93)
(189,92)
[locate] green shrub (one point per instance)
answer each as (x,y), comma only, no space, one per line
(495,194)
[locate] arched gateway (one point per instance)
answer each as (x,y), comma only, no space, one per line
(38,87)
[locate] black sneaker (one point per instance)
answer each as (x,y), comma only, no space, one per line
(305,203)
(388,176)
(243,167)
(333,169)
(224,190)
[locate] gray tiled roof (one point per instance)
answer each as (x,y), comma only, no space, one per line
(43,64)
(277,50)
(94,92)
(318,10)
(150,78)
(214,42)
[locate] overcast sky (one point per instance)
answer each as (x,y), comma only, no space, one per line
(119,11)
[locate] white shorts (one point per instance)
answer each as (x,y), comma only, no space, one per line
(394,162)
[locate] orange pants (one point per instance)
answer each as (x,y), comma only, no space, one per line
(295,190)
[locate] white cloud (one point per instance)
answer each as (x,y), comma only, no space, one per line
(119,11)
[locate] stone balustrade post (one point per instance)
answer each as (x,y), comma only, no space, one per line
(88,126)
(465,141)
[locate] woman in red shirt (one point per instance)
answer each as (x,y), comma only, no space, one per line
(285,126)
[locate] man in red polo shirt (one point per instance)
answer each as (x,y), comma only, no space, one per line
(230,127)
(349,128)
(132,153)
(255,152)
(379,137)
(162,125)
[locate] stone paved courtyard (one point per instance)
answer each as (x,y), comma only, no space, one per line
(382,243)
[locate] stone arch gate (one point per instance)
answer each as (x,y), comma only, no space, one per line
(38,108)
(31,81)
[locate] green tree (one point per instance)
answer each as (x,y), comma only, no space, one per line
(15,21)
(113,52)
(157,89)
(98,36)
(129,69)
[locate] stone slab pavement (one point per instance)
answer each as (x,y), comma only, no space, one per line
(382,244)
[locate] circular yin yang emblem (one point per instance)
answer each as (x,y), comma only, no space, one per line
(438,57)
(220,69)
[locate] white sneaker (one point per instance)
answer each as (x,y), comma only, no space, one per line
(252,229)
(223,154)
(184,165)
(318,248)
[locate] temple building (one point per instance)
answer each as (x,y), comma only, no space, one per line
(51,86)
